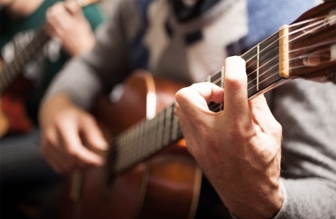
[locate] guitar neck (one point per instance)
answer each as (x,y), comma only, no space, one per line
(14,69)
(269,64)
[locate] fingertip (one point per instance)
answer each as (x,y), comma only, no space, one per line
(93,135)
(72,6)
(181,96)
(100,144)
(234,66)
(85,158)
(237,59)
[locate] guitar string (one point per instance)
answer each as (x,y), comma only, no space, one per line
(292,32)
(291,59)
(276,47)
(314,45)
(178,130)
(166,132)
(175,127)
(329,42)
(252,63)
(270,68)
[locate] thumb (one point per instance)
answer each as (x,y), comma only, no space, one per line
(93,135)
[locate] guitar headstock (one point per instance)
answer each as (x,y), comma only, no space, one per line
(312,44)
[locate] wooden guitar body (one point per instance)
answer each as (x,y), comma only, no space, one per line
(164,186)
(13,115)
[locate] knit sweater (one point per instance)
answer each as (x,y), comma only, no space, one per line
(148,34)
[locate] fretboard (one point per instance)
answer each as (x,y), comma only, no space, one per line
(13,69)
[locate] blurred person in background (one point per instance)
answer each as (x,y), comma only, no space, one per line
(24,174)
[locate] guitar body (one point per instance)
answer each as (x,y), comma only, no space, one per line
(13,115)
(166,185)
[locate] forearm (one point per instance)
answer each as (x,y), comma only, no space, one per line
(77,83)
(308,151)
(308,198)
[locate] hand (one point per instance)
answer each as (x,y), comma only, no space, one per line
(70,137)
(65,21)
(239,148)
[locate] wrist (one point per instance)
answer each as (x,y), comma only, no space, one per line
(86,45)
(263,205)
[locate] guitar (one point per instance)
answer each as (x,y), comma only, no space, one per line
(14,88)
(136,181)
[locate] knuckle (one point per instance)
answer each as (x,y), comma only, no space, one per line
(234,82)
(277,128)
(181,94)
(71,153)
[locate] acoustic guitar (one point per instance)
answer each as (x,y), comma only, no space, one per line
(14,87)
(148,172)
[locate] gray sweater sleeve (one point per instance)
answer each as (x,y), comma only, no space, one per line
(97,70)
(307,112)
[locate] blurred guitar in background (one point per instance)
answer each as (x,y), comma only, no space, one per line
(14,87)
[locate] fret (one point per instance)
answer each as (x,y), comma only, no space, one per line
(166,135)
(147,138)
(130,144)
(123,151)
(150,138)
(160,125)
(173,119)
(141,146)
(221,105)
(175,124)
(261,67)
(249,55)
(112,157)
(134,143)
(208,78)
(222,77)
(179,134)
(216,79)
(258,67)
(126,154)
(127,151)
(139,141)
(153,134)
